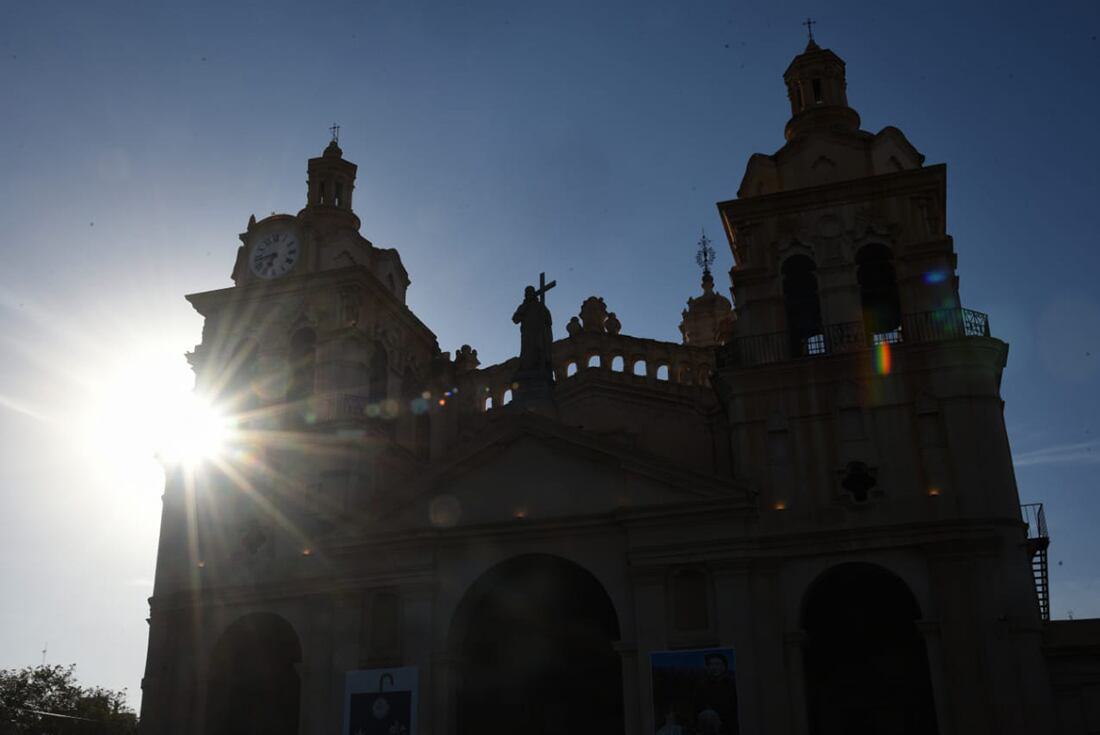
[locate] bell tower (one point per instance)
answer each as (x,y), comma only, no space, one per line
(330,183)
(844,273)
(818,93)
(864,399)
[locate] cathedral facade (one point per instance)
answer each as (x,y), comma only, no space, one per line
(801,519)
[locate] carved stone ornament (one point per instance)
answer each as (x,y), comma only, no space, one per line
(593,314)
(466,359)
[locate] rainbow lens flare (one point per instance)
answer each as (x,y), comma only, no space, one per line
(883,359)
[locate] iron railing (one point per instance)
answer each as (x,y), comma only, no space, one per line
(1038,541)
(928,326)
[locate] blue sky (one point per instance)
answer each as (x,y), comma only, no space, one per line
(495,140)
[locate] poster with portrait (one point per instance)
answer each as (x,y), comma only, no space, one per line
(694,692)
(380,701)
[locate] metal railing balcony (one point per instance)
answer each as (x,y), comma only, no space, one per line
(1038,541)
(928,326)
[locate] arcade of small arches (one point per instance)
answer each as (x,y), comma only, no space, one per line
(632,361)
(541,632)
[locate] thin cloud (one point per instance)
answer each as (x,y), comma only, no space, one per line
(1077,453)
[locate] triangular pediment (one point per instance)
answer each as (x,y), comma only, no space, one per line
(530,468)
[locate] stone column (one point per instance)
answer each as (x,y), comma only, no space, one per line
(628,652)
(733,625)
(649,625)
(346,616)
(794,643)
(314,671)
(930,631)
(416,614)
(444,688)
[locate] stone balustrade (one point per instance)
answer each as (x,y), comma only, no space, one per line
(634,361)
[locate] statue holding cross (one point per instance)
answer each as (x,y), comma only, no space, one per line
(536,335)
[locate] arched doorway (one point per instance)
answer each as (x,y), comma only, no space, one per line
(865,661)
(254,687)
(878,290)
(803,306)
(534,640)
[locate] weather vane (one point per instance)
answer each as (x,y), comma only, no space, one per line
(335,130)
(705,256)
(809,23)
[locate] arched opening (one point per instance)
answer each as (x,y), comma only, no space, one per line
(639,368)
(617,363)
(594,361)
(878,293)
(535,640)
(866,664)
(506,398)
(253,685)
(488,403)
(301,361)
(570,369)
(662,372)
(379,374)
(803,307)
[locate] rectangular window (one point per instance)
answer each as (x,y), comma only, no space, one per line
(817,91)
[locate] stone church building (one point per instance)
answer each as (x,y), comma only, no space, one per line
(802,519)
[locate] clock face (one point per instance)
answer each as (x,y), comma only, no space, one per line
(274,254)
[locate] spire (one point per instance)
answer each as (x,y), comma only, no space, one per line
(817,89)
(708,320)
(705,257)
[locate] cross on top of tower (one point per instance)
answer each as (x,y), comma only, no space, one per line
(335,130)
(810,23)
(810,28)
(705,255)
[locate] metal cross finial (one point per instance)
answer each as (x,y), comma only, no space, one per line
(705,256)
(335,130)
(809,23)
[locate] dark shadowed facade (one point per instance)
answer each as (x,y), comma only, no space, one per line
(802,519)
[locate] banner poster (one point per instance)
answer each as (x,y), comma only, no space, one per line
(694,692)
(380,701)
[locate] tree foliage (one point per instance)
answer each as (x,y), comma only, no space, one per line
(47,700)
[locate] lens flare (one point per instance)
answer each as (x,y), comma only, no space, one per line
(883,359)
(935,276)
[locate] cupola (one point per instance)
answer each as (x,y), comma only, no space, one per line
(817,90)
(708,319)
(330,182)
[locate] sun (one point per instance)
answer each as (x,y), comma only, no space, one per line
(190,431)
(143,411)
